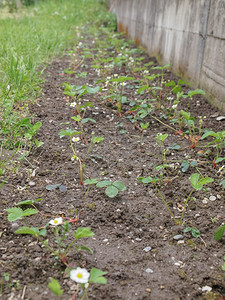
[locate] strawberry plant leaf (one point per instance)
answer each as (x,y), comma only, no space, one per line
(96,276)
(15,213)
(28,230)
(103,183)
(83,232)
(91,181)
(119,185)
(55,287)
(218,234)
(29,212)
(111,191)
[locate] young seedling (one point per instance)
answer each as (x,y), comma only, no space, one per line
(112,188)
(190,94)
(218,142)
(197,184)
(223,266)
(160,138)
(190,122)
(59,227)
(118,84)
(144,126)
(195,233)
(73,144)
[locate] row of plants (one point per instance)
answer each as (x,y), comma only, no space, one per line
(154,99)
(21,84)
(29,40)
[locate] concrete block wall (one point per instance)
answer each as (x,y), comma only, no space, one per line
(189,34)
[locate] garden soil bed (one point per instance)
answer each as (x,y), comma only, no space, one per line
(134,233)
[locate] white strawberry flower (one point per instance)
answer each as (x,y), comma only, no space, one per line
(75,139)
(56,221)
(79,275)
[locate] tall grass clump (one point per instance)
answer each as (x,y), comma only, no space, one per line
(28,40)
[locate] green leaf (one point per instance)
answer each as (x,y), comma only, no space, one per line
(124,99)
(218,234)
(145,179)
(87,249)
(92,90)
(142,88)
(144,125)
(111,191)
(223,183)
(43,232)
(25,202)
(38,144)
(77,118)
(68,132)
(15,213)
(185,166)
(193,163)
(103,183)
(175,147)
(160,167)
(187,229)
(223,267)
(55,287)
(83,232)
(196,92)
(88,104)
(185,114)
(170,83)
(205,180)
(96,276)
(208,133)
(122,131)
(28,230)
(32,130)
(194,181)
(219,159)
(85,120)
(29,212)
(96,139)
(28,202)
(195,232)
(119,185)
(161,137)
(91,181)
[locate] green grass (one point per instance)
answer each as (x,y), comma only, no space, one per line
(28,40)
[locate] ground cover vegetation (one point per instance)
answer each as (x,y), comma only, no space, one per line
(104,144)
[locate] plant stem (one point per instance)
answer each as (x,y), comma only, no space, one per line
(163,123)
(57,239)
(47,246)
(85,293)
(186,202)
(161,196)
